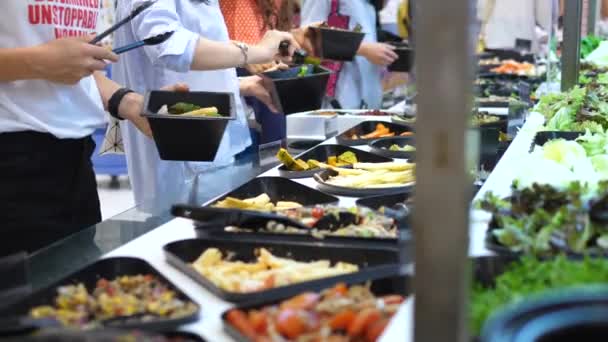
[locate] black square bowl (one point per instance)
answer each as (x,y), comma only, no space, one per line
(278,189)
(322,152)
(336,44)
(367,127)
(406,57)
(374,263)
(109,268)
(293,94)
(188,138)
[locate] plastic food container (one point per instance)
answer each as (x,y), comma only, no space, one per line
(382,147)
(406,57)
(292,93)
(184,137)
(367,127)
(336,44)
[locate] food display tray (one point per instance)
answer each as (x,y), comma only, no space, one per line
(109,268)
(377,202)
(188,138)
(279,189)
(322,152)
(368,127)
(381,147)
(543,137)
(390,285)
(335,44)
(322,184)
(373,263)
(293,94)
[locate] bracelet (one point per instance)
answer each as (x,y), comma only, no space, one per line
(115,100)
(244,51)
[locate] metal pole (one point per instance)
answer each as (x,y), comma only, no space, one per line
(593,16)
(444,64)
(571,47)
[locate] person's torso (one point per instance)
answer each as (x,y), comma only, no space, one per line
(505,24)
(66,111)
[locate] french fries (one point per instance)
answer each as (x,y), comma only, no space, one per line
(260,203)
(374,175)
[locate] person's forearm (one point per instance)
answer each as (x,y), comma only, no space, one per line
(212,55)
(130,104)
(16,64)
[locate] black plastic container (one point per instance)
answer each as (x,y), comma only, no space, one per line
(394,285)
(322,184)
(367,127)
(279,189)
(492,104)
(109,268)
(188,138)
(500,125)
(504,54)
(406,57)
(107,335)
(557,316)
(322,152)
(373,263)
(381,147)
(377,202)
(293,94)
(543,137)
(336,44)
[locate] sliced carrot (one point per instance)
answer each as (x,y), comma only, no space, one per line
(386,135)
(239,320)
(304,301)
(374,331)
(363,319)
(342,319)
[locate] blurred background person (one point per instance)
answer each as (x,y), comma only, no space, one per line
(355,84)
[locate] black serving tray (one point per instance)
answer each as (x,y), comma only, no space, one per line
(381,147)
(492,104)
(109,268)
(391,285)
(367,127)
(322,152)
(107,335)
(293,94)
(406,57)
(373,263)
(543,137)
(279,189)
(377,202)
(188,138)
(335,44)
(322,184)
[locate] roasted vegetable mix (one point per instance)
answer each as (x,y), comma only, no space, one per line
(381,131)
(544,220)
(530,276)
(336,314)
(292,164)
(76,306)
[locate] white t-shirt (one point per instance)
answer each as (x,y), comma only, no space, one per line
(66,111)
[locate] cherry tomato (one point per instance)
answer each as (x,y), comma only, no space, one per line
(239,320)
(375,330)
(317,212)
(342,319)
(304,301)
(290,323)
(363,319)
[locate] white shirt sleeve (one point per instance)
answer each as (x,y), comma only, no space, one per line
(177,52)
(314,11)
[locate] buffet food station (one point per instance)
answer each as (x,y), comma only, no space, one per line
(357,237)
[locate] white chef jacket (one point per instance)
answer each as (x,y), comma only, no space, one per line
(153,67)
(508,20)
(66,111)
(359,79)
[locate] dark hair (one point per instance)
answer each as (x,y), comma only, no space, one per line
(276,18)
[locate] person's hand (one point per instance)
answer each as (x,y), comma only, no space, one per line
(132,106)
(378,53)
(255,69)
(68,60)
(254,86)
(269,45)
(306,37)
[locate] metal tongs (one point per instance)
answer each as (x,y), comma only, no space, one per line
(154,40)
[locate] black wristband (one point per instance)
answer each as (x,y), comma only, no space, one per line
(115,100)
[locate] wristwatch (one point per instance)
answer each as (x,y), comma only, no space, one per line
(244,50)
